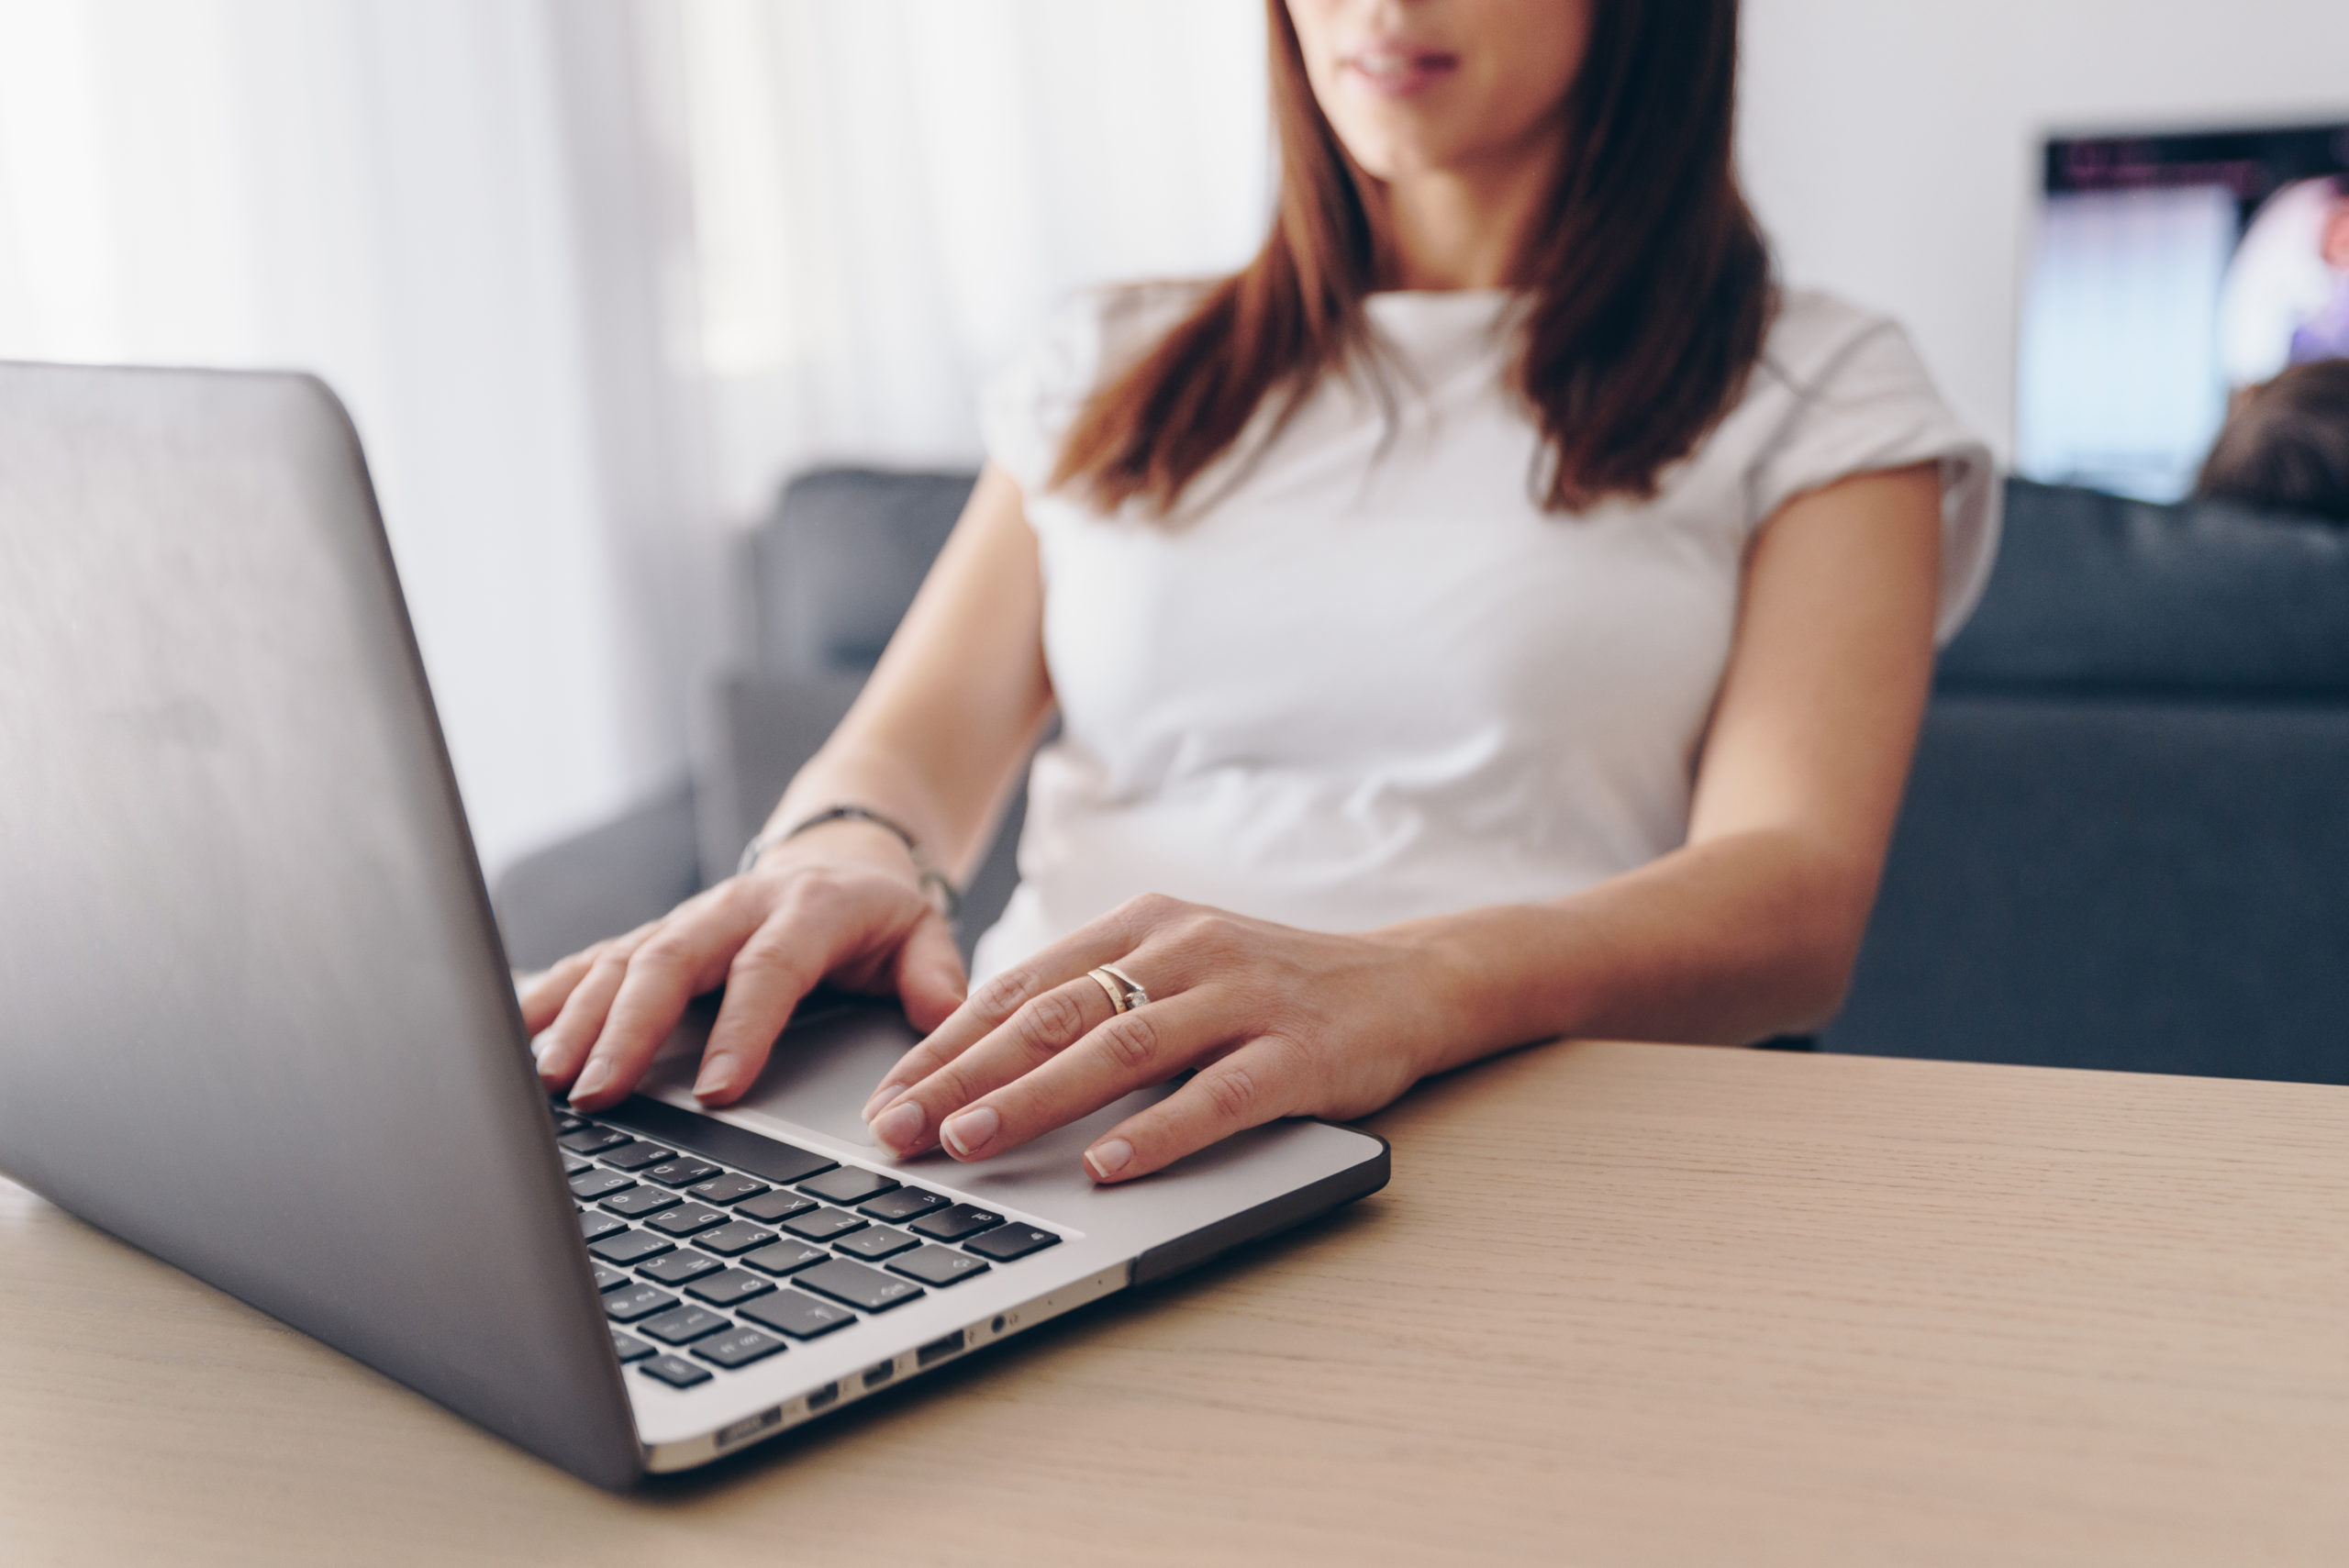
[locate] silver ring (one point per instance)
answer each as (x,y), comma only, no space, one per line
(1135,995)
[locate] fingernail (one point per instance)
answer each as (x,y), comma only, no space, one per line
(1109,1159)
(595,1078)
(717,1076)
(882,1097)
(971,1129)
(900,1127)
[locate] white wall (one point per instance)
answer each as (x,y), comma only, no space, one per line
(1891,146)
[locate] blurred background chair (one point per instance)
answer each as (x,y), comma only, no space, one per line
(2125,845)
(832,570)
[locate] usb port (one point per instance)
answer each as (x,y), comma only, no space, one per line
(823,1397)
(874,1376)
(939,1349)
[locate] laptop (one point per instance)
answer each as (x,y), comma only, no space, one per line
(256,1021)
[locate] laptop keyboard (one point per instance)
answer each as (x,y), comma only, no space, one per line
(705,1269)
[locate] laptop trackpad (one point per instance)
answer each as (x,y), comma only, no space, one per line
(827,1065)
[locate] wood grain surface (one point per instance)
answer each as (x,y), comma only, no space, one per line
(1623,1304)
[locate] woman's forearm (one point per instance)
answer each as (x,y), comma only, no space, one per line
(1726,941)
(956,703)
(949,809)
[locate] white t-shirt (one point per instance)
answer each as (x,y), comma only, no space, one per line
(1365,677)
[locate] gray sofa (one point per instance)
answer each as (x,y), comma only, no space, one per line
(2126,842)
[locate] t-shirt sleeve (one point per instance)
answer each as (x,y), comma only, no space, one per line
(1868,406)
(1026,408)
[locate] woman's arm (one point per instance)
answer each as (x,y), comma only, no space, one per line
(1748,930)
(932,742)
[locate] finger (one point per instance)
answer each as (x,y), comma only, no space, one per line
(1108,939)
(932,981)
(775,970)
(562,1047)
(550,987)
(1256,1083)
(1132,1051)
(1042,1027)
(686,956)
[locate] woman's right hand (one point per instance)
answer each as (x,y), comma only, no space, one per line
(841,904)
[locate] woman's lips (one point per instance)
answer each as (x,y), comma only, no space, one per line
(1398,71)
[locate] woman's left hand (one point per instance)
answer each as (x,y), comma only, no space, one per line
(1276,1022)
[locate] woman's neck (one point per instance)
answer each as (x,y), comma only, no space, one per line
(1460,228)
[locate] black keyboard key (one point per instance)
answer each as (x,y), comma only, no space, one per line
(729,1241)
(687,1219)
(567,1121)
(607,1278)
(905,1203)
(800,1316)
(823,1224)
(786,1257)
(1011,1241)
(598,1184)
(858,1286)
(635,1156)
(636,1301)
(848,1184)
(875,1242)
(631,1247)
(953,1224)
(680,1266)
(775,1205)
(681,1172)
(587,1140)
(728,1188)
(629,1348)
(738,1347)
(572,1165)
(762,1156)
(595,1226)
(674,1370)
(681,1326)
(637,1202)
(938,1265)
(725,1289)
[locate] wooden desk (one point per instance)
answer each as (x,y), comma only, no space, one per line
(1623,1304)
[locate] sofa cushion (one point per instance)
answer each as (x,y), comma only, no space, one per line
(2153,886)
(2092,591)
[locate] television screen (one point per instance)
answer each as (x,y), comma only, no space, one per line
(2168,274)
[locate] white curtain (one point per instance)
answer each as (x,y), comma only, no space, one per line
(892,193)
(595,275)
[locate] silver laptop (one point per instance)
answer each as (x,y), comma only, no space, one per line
(255,1019)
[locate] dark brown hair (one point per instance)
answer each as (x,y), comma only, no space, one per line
(1650,281)
(2285,446)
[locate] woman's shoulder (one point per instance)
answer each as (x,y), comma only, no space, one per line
(1813,332)
(1098,331)
(1095,334)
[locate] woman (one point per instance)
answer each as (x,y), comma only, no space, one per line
(1493,614)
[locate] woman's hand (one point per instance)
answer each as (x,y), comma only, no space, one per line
(1276,1022)
(839,904)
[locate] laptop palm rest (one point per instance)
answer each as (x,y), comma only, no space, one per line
(827,1065)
